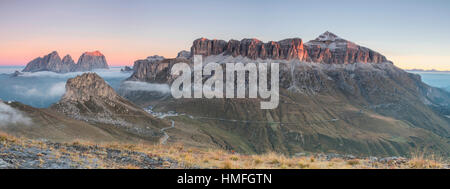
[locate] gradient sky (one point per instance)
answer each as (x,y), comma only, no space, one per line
(412,33)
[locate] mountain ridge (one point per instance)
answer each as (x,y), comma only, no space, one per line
(336,104)
(52,62)
(327,48)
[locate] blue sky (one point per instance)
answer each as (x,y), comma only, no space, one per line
(412,33)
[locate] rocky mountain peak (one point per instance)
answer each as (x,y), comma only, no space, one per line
(54,53)
(155,58)
(94,53)
(331,41)
(87,86)
(91,60)
(52,62)
(68,60)
(184,54)
(327,36)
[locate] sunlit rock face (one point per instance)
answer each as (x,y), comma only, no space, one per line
(251,48)
(91,60)
(331,49)
(327,48)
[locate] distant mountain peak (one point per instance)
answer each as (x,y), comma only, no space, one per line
(327,36)
(94,53)
(52,62)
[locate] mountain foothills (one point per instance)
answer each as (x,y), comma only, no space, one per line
(52,62)
(335,97)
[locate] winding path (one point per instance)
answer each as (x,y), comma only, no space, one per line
(163,140)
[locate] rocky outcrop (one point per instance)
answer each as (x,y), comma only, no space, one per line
(16,74)
(331,49)
(89,98)
(184,54)
(327,48)
(155,58)
(153,70)
(126,69)
(87,86)
(91,60)
(51,62)
(69,63)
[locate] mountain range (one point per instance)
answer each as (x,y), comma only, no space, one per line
(52,62)
(335,96)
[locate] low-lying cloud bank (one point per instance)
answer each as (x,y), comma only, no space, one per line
(9,115)
(113,73)
(55,90)
(144,86)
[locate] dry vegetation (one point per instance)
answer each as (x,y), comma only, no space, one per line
(213,158)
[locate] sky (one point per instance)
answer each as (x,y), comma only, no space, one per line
(411,33)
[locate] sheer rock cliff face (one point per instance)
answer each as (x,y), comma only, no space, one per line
(327,48)
(154,70)
(91,60)
(52,62)
(331,49)
(69,64)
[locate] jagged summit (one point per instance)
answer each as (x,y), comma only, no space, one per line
(88,97)
(91,60)
(94,53)
(332,41)
(68,61)
(327,36)
(52,62)
(155,58)
(184,54)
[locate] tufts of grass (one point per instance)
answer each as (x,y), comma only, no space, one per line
(208,158)
(353,162)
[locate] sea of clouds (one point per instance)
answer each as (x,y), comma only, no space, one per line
(144,86)
(42,89)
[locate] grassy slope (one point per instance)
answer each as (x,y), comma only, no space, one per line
(307,126)
(81,154)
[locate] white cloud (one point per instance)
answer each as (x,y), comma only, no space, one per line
(10,115)
(55,90)
(104,73)
(144,86)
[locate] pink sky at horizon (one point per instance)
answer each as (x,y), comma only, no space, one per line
(126,57)
(413,34)
(116,55)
